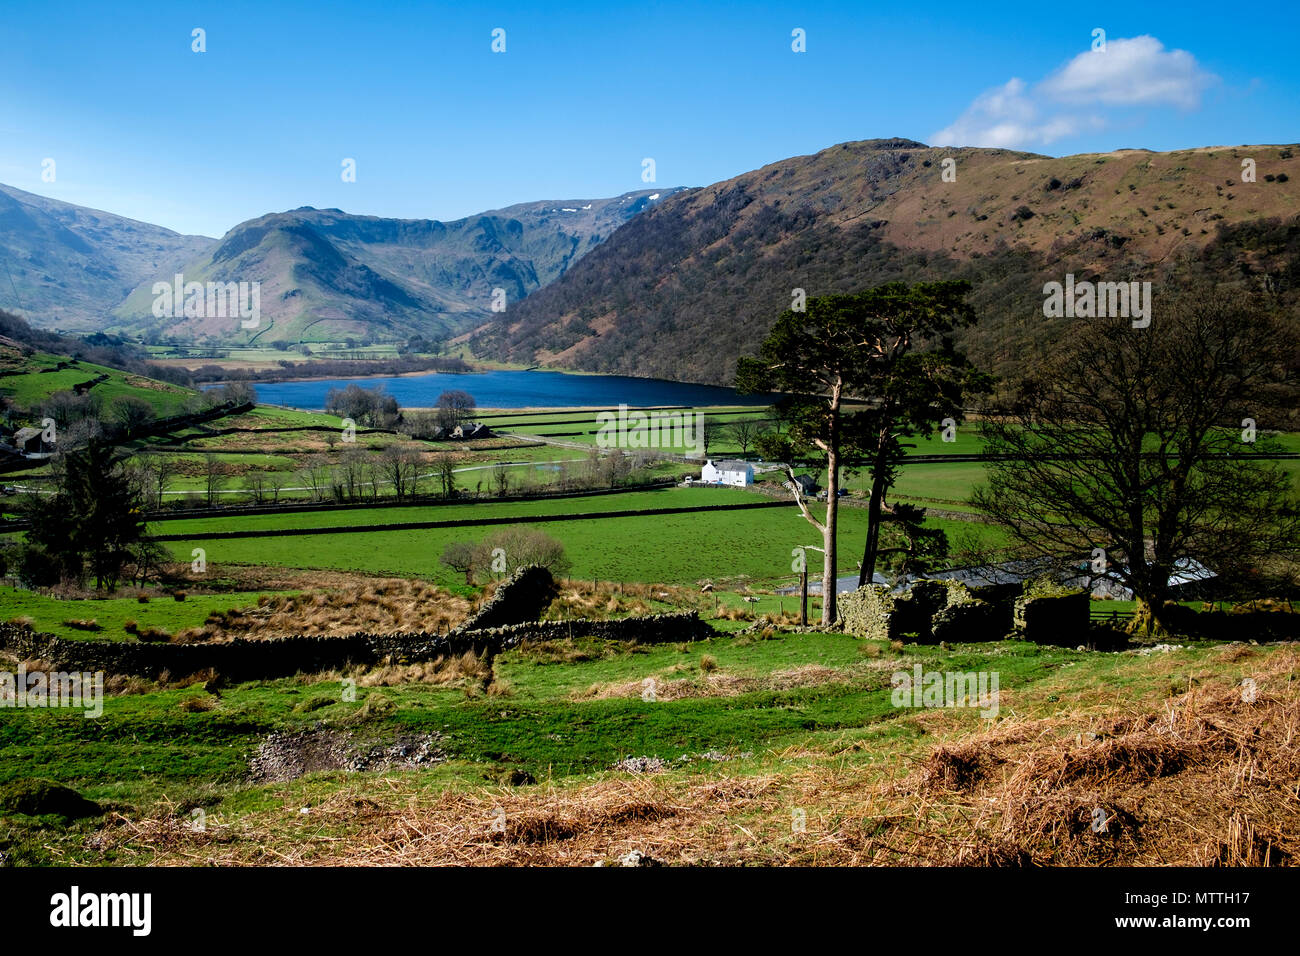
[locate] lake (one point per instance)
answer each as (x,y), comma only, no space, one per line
(514,389)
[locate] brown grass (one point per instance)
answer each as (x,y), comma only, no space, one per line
(714,683)
(601,600)
(375,605)
(444,671)
(1209,779)
(1202,779)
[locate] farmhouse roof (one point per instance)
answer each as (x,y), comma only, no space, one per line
(1184,571)
(731,464)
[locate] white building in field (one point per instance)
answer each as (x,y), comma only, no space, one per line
(731,472)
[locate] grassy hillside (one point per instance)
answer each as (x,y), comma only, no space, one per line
(29,380)
(683,291)
(782,750)
(70,265)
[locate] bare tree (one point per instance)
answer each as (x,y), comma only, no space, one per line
(316,473)
(274,482)
(505,551)
(519,546)
(163,467)
(67,407)
(710,428)
(80,433)
(446,471)
(216,474)
(400,465)
(150,473)
(1127,447)
(745,431)
(461,556)
(455,406)
(616,466)
(131,414)
(354,467)
(365,406)
(501,479)
(255,485)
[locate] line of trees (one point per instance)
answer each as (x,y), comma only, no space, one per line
(1124,447)
(370,407)
(83,417)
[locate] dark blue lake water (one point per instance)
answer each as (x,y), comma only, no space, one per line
(513,389)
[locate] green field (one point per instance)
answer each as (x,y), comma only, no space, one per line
(658,498)
(29,389)
(731,546)
(162,612)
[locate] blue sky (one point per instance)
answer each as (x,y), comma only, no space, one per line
(441,127)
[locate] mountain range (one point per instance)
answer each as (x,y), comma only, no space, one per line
(324,274)
(682,291)
(64,266)
(678,283)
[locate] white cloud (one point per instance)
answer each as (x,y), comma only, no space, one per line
(1008,116)
(1130,72)
(1133,72)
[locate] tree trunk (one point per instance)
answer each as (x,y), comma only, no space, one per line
(828,536)
(871,549)
(1149,617)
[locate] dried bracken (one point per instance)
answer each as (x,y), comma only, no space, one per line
(1209,777)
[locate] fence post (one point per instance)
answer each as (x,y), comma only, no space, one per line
(803,598)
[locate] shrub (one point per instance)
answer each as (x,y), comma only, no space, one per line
(314,703)
(37,797)
(708,663)
(376,706)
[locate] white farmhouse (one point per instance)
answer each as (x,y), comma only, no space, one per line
(731,472)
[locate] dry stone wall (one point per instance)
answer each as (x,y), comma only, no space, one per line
(504,622)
